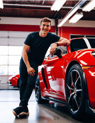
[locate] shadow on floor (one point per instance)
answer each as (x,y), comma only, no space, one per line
(63,111)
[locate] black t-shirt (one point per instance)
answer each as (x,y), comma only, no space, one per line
(39,45)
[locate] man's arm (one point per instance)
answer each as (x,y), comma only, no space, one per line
(30,70)
(62,42)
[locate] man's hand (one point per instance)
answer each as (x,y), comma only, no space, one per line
(53,49)
(31,71)
(66,42)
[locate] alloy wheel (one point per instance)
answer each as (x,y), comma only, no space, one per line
(74,90)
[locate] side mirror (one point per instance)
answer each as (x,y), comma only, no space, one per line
(58,53)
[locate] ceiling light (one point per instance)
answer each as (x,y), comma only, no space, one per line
(68,16)
(89,6)
(57,5)
(71,12)
(1,4)
(76,17)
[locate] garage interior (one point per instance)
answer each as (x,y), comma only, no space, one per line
(17,19)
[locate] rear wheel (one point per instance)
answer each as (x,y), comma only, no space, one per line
(75,91)
(38,93)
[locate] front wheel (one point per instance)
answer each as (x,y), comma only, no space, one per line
(38,92)
(75,91)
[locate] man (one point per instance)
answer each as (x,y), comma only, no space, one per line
(34,49)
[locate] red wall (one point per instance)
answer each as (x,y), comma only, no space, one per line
(62,31)
(66,31)
(12,27)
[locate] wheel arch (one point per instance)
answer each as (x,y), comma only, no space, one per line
(84,78)
(69,66)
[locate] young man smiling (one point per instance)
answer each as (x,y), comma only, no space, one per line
(34,50)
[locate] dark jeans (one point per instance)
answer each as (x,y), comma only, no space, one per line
(27,82)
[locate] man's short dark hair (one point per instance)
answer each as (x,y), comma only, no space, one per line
(45,19)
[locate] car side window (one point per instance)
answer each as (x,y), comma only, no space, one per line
(77,44)
(92,42)
(63,51)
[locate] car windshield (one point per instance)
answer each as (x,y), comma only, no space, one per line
(92,42)
(77,44)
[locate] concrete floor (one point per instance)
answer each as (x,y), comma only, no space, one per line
(39,113)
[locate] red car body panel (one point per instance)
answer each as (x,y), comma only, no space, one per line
(55,71)
(14,79)
(90,78)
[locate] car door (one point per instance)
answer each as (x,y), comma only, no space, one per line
(55,74)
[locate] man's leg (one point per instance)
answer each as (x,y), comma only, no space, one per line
(29,87)
(23,83)
(23,78)
(28,92)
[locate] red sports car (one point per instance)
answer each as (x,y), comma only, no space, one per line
(14,80)
(68,77)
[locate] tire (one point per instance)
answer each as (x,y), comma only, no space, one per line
(75,92)
(18,83)
(38,93)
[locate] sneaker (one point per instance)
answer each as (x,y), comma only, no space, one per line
(17,111)
(24,113)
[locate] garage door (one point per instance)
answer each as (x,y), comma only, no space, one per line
(11,43)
